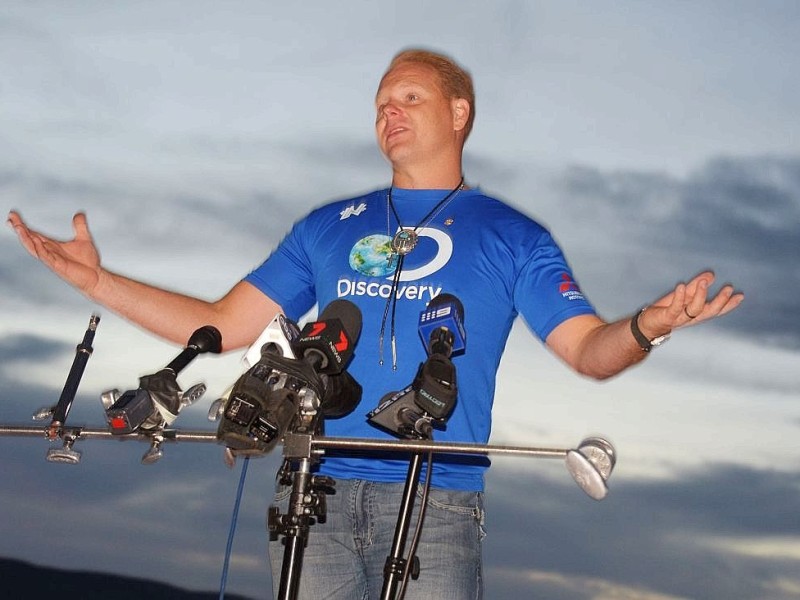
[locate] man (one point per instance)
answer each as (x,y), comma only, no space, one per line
(391,252)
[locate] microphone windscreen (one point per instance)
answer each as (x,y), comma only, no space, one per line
(329,341)
(349,315)
(206,339)
(443,299)
(342,395)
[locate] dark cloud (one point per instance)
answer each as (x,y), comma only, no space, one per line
(738,216)
(667,536)
(29,348)
(749,209)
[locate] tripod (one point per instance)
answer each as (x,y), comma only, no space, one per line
(590,464)
(307,506)
(306,503)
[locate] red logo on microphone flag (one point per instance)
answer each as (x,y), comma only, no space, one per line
(343,343)
(317,328)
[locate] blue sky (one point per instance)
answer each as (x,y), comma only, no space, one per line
(654,139)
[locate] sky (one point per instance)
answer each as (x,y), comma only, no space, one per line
(655,140)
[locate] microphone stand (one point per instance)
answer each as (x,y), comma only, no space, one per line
(82,353)
(395,568)
(301,449)
(594,461)
(306,502)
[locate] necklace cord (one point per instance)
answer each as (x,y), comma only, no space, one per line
(400,252)
(391,301)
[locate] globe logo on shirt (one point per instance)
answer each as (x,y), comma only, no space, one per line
(372,255)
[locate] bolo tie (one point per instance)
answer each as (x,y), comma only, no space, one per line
(403,242)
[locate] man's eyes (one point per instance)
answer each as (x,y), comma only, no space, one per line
(411,97)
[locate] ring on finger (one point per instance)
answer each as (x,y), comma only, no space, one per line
(686,312)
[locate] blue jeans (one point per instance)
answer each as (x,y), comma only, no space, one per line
(345,556)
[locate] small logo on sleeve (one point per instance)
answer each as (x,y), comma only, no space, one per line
(569,289)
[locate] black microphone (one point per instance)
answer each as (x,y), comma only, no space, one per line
(205,339)
(341,396)
(293,374)
(82,353)
(431,397)
(436,386)
(441,326)
(328,343)
(158,399)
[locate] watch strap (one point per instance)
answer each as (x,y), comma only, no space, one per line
(641,339)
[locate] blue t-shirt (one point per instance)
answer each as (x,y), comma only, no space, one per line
(495,260)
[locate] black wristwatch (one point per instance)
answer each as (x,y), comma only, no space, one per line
(644,342)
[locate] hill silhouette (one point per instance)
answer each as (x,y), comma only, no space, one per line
(25,581)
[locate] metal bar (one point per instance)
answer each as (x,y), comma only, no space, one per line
(442,447)
(318,444)
(88,433)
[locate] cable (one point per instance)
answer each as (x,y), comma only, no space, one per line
(234,518)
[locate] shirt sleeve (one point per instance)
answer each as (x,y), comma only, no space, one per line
(546,293)
(286,275)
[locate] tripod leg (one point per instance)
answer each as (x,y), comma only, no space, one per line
(395,563)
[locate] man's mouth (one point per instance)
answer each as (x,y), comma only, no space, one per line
(390,133)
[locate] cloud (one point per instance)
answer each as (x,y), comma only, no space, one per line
(194,145)
(677,537)
(737,216)
(29,348)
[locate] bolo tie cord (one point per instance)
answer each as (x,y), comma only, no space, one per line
(391,302)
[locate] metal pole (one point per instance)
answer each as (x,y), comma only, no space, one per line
(319,444)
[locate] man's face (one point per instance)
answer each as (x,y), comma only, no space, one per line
(414,119)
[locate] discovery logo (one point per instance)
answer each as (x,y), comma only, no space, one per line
(372,256)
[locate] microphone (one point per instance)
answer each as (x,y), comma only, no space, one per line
(82,353)
(441,326)
(342,395)
(328,343)
(330,349)
(281,332)
(159,399)
(432,395)
(276,338)
(436,387)
(205,339)
(294,373)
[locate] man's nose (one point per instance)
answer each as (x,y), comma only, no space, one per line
(387,110)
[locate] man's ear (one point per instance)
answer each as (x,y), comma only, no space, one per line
(461,109)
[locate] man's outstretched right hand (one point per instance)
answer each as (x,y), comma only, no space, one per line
(76,261)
